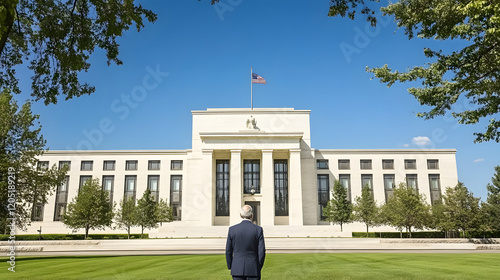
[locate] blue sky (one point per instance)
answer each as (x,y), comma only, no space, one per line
(202,56)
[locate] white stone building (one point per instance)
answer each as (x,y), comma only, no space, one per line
(261,157)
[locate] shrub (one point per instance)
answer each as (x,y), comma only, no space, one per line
(25,237)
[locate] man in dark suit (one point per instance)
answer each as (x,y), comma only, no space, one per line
(245,248)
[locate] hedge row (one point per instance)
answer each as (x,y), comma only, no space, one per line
(482,234)
(419,234)
(4,237)
(429,234)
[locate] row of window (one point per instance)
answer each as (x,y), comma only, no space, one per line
(88,165)
(345,164)
(130,187)
(367,182)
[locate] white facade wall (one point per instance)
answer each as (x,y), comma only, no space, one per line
(228,134)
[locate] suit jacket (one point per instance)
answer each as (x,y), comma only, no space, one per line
(245,249)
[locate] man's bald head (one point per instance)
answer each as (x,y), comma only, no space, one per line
(246,212)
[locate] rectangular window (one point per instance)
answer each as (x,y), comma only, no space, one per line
(59,211)
(344,164)
(367,181)
(323,192)
(63,163)
(37,214)
(154,186)
(366,163)
(280,187)
(130,187)
(153,165)
(410,164)
(86,165)
(222,188)
(435,187)
(321,164)
(387,164)
(411,181)
(131,165)
(83,179)
(108,182)
(251,176)
(176,165)
(432,164)
(388,186)
(108,165)
(61,199)
(345,180)
(43,165)
(176,196)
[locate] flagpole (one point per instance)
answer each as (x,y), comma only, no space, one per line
(251,90)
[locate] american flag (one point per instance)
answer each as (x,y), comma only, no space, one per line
(256,79)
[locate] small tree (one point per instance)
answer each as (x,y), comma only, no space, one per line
(492,205)
(439,219)
(338,209)
(365,209)
(147,212)
(21,144)
(126,215)
(91,209)
(164,212)
(461,208)
(406,209)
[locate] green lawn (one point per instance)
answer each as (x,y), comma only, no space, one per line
(277,266)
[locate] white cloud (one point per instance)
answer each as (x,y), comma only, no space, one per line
(406,145)
(478,160)
(421,141)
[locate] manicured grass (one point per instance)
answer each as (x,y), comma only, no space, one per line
(277,266)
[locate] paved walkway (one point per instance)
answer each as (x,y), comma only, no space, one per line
(273,245)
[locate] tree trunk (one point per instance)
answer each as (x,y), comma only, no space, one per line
(366,230)
(7,22)
(340,227)
(409,230)
(128,232)
(86,232)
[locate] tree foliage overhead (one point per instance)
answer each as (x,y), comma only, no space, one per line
(471,73)
(21,143)
(338,209)
(57,38)
(350,7)
(90,209)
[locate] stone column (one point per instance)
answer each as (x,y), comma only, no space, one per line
(267,189)
(206,199)
(295,188)
(235,187)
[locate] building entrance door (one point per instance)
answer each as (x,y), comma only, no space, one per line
(256,211)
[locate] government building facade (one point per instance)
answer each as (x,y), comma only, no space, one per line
(261,157)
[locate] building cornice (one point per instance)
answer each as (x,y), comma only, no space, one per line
(250,134)
(117,152)
(246,111)
(387,151)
